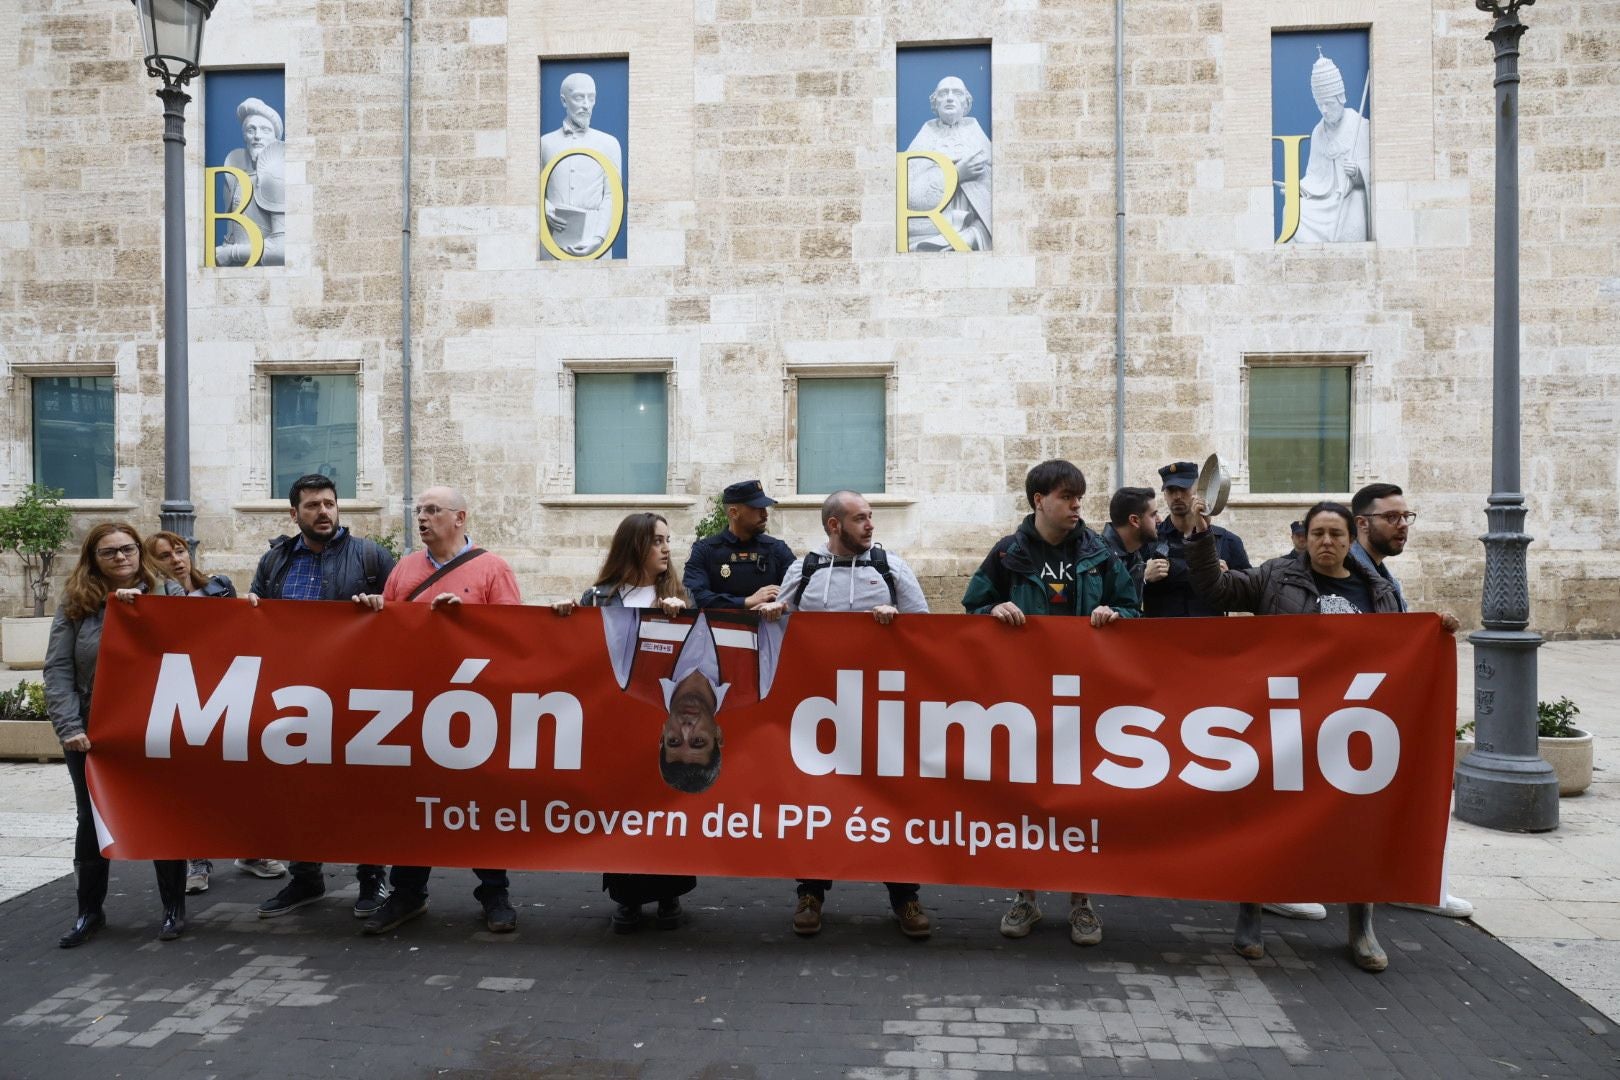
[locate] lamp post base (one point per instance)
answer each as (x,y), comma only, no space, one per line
(1503,783)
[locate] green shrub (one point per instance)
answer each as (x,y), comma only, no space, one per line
(37,527)
(1556,719)
(715,521)
(25,701)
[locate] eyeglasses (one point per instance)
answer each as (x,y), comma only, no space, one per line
(430,511)
(124,552)
(1396,517)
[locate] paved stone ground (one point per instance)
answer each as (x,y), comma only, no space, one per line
(735,994)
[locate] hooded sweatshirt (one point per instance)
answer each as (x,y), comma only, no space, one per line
(842,587)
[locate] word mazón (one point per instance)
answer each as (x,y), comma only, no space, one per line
(1132,738)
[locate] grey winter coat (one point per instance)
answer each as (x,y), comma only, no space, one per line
(70,666)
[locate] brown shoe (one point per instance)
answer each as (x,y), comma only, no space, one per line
(807,919)
(913,920)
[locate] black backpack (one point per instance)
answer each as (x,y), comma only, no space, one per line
(815,560)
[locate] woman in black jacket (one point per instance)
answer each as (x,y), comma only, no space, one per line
(1326,581)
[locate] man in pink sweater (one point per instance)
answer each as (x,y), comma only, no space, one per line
(448,570)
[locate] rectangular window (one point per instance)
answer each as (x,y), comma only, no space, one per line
(313,430)
(842,442)
(621,433)
(1299,429)
(73,435)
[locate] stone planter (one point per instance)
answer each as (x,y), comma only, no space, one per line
(1571,759)
(28,740)
(23,641)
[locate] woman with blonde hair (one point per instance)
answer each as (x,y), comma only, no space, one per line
(111,564)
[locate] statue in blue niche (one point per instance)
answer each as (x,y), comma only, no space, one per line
(263,156)
(954,133)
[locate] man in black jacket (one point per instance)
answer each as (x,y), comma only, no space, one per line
(1172,596)
(322,561)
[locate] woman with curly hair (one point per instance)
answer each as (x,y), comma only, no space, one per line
(111,564)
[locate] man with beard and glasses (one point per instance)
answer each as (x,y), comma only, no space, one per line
(1383,524)
(322,561)
(850,573)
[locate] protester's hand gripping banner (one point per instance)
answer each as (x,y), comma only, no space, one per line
(1282,758)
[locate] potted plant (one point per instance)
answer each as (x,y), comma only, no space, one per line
(1465,743)
(714,521)
(25,733)
(1567,748)
(37,527)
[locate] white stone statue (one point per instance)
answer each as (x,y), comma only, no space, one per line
(263,157)
(959,137)
(578,197)
(1333,191)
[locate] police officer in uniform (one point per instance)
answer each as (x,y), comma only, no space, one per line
(741,566)
(1172,596)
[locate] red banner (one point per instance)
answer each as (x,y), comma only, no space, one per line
(1282,758)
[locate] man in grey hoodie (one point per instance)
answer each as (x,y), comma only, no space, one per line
(848,573)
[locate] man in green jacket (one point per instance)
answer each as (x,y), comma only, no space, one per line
(1053,565)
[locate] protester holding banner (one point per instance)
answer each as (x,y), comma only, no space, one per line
(1053,565)
(637,574)
(321,561)
(171,552)
(1328,582)
(448,571)
(111,563)
(850,573)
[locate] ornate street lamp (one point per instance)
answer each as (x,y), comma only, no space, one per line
(1503,783)
(173,33)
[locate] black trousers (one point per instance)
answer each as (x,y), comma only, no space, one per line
(310,872)
(638,889)
(91,867)
(901,893)
(412,881)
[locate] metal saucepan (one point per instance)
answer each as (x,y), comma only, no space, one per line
(1213,485)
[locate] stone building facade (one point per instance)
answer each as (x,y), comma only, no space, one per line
(761,254)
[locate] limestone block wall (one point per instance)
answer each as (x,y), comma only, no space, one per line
(761,247)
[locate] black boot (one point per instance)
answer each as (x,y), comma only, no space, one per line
(171,878)
(84,928)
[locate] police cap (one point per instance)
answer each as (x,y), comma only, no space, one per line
(1179,474)
(748,493)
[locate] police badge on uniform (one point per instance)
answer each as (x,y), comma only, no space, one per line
(725,569)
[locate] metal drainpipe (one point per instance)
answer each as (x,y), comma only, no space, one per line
(405,291)
(1119,243)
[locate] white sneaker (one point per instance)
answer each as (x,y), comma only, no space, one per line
(265,868)
(1453,907)
(197,871)
(1020,918)
(1297,911)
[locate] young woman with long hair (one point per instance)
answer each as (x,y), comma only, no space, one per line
(112,564)
(638,573)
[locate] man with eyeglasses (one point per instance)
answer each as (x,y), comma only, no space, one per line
(321,561)
(448,571)
(1383,523)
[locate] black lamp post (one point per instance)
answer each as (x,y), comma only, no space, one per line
(173,32)
(1503,783)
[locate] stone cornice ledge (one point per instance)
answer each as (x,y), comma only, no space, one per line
(809,502)
(281,506)
(586,502)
